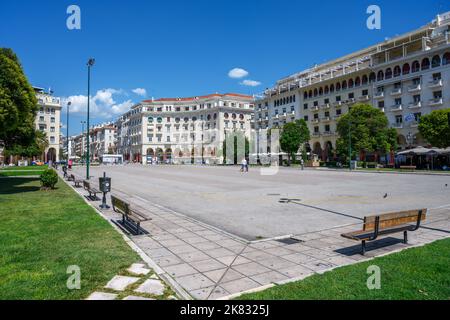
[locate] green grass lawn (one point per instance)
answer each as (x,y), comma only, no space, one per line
(22,171)
(417,273)
(17,168)
(44,232)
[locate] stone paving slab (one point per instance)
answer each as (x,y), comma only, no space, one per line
(120,283)
(211,264)
(102,296)
(151,286)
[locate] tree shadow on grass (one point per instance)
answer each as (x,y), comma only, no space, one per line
(18,185)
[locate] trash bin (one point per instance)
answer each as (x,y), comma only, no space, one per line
(353,164)
(105,184)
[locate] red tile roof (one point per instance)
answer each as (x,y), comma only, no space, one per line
(200,97)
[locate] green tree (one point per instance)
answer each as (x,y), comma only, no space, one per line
(293,135)
(18,104)
(368,129)
(435,129)
(235,136)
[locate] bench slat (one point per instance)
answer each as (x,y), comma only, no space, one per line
(393,219)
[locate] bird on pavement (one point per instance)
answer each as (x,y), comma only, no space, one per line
(385,195)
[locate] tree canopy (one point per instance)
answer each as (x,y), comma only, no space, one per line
(293,135)
(435,129)
(18,104)
(368,129)
(237,153)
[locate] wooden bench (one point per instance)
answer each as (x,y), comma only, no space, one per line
(91,190)
(128,214)
(412,168)
(387,223)
(76,181)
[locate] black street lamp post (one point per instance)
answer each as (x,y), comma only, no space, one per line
(90,63)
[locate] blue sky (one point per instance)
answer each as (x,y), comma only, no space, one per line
(187,48)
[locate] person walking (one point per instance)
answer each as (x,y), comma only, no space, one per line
(244,165)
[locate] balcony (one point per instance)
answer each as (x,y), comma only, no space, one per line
(414,124)
(336,117)
(436,102)
(337,103)
(396,92)
(316,134)
(415,88)
(314,108)
(316,120)
(415,105)
(326,106)
(364,98)
(326,119)
(283,116)
(436,83)
(397,107)
(328,134)
(397,125)
(379,95)
(351,101)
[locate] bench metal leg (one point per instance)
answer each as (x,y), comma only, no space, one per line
(363,247)
(138,228)
(405,236)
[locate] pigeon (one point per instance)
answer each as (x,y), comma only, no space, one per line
(385,195)
(446,185)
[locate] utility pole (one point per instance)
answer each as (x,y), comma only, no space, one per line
(89,65)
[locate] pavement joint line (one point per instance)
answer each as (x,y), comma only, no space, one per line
(158,270)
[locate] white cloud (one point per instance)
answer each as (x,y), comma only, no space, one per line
(250,83)
(237,73)
(102,104)
(140,92)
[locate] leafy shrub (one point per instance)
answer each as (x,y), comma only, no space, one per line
(49,178)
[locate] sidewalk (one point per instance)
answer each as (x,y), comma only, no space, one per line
(209,263)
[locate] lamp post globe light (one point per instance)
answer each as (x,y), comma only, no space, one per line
(90,63)
(67,131)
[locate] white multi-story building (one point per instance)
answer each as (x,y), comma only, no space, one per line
(182,130)
(77,146)
(406,77)
(102,140)
(48,120)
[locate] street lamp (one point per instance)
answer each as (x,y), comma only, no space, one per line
(67,130)
(82,134)
(90,63)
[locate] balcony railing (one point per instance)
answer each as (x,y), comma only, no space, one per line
(396,92)
(314,108)
(328,133)
(414,124)
(436,102)
(326,119)
(379,95)
(337,103)
(397,125)
(397,107)
(316,120)
(415,105)
(364,98)
(415,88)
(326,106)
(316,134)
(435,83)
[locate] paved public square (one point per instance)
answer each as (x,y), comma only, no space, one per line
(247,204)
(216,232)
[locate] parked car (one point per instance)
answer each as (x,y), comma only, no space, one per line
(37,163)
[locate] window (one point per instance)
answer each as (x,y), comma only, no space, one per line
(416,81)
(415,66)
(338,112)
(381,104)
(436,61)
(398,101)
(399,119)
(338,98)
(417,116)
(305,106)
(446,58)
(327,128)
(437,76)
(306,118)
(425,64)
(416,98)
(365,92)
(52,139)
(316,103)
(52,129)
(316,129)
(351,95)
(437,94)
(52,119)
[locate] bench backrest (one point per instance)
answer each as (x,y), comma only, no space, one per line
(86,184)
(72,176)
(387,220)
(120,205)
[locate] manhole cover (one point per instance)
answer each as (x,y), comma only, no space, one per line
(290,241)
